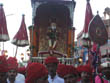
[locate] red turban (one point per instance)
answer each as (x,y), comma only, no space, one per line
(3,64)
(35,71)
(79,68)
(51,59)
(12,63)
(22,70)
(85,68)
(60,70)
(64,70)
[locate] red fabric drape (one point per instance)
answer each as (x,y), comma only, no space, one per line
(3,26)
(21,37)
(88,17)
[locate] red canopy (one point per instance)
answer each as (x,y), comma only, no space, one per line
(3,25)
(88,17)
(21,38)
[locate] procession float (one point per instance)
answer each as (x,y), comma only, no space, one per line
(52,32)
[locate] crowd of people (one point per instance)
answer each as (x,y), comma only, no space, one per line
(51,72)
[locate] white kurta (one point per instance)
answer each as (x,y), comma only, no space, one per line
(56,79)
(16,81)
(20,77)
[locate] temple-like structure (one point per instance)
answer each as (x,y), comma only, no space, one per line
(52,32)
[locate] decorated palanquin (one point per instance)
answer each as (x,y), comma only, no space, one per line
(52,32)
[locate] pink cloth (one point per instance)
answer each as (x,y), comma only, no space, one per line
(98,80)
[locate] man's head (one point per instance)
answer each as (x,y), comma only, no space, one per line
(12,68)
(68,72)
(12,74)
(3,77)
(51,64)
(86,73)
(105,67)
(36,73)
(43,79)
(85,76)
(53,25)
(3,69)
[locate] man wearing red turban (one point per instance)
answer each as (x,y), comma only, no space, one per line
(104,74)
(3,69)
(13,71)
(51,63)
(36,73)
(86,74)
(68,72)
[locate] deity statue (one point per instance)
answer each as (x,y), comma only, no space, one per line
(52,36)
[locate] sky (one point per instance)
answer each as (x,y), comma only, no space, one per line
(15,8)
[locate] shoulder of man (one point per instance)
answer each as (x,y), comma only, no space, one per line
(61,80)
(57,79)
(20,77)
(19,81)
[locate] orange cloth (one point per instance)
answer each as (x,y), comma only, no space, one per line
(51,59)
(35,71)
(3,64)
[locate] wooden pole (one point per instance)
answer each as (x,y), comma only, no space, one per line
(69,43)
(3,45)
(16,51)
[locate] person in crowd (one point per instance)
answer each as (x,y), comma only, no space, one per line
(3,69)
(68,72)
(85,73)
(51,64)
(36,73)
(104,75)
(60,70)
(22,70)
(13,76)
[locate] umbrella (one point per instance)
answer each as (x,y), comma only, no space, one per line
(3,26)
(88,18)
(21,38)
(85,36)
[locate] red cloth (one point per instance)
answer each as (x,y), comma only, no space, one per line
(35,71)
(3,64)
(60,70)
(22,70)
(88,18)
(64,70)
(84,68)
(21,37)
(94,47)
(79,68)
(12,63)
(51,59)
(3,25)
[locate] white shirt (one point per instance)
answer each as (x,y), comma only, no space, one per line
(56,79)
(20,78)
(16,81)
